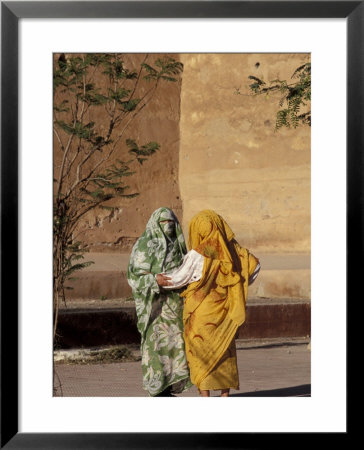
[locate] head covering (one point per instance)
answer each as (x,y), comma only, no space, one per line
(209,235)
(159,312)
(214,305)
(159,243)
(226,263)
(167,222)
(153,253)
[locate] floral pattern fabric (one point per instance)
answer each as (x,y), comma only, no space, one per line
(159,312)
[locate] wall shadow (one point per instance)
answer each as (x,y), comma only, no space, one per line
(303,390)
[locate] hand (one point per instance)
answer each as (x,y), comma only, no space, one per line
(163,280)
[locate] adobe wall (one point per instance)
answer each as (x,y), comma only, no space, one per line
(231,159)
(156,180)
(218,150)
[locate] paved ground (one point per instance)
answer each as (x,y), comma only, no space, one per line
(269,368)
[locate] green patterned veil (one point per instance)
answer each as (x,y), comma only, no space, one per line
(153,253)
(159,311)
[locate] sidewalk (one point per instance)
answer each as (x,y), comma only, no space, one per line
(281,276)
(267,368)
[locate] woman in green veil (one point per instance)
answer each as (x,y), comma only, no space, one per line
(160,248)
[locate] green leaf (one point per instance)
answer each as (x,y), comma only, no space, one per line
(119,94)
(130,105)
(145,150)
(68,128)
(258,81)
(61,107)
(167,67)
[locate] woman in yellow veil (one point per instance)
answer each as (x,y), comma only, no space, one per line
(217,270)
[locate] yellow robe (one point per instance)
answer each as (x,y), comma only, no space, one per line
(215,305)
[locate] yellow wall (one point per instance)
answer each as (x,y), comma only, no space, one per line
(232,160)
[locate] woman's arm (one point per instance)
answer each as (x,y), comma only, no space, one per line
(188,272)
(253,276)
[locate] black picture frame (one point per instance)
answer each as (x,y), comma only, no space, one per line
(11,12)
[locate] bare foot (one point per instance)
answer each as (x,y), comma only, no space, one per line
(225,392)
(204,393)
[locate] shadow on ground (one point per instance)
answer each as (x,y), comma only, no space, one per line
(296,391)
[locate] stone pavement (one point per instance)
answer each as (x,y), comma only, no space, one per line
(267,368)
